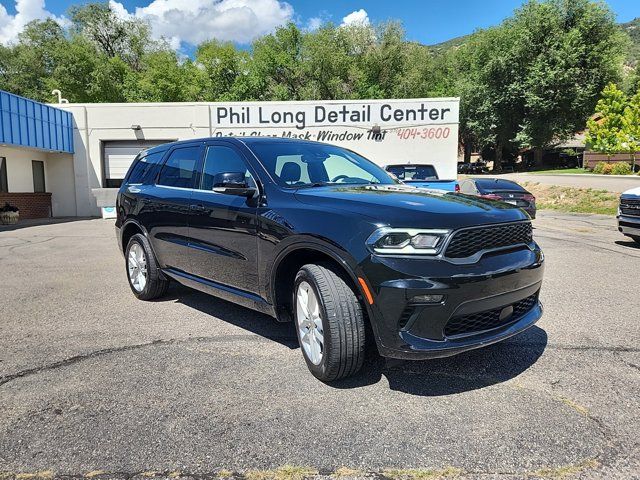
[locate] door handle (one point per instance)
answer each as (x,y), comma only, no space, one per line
(197,208)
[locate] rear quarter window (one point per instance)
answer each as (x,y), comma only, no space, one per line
(144,168)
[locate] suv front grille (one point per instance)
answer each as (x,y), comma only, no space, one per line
(489,319)
(466,243)
(630,207)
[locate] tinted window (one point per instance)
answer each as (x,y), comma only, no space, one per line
(221,159)
(37,168)
(3,175)
(144,168)
(179,169)
(300,164)
(413,172)
(497,185)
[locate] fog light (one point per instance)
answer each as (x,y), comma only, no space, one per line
(427,298)
(424,240)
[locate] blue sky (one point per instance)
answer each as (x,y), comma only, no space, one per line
(425,21)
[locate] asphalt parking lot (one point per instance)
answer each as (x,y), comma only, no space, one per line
(94,382)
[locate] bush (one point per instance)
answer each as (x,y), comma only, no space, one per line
(599,168)
(621,168)
(8,208)
(603,168)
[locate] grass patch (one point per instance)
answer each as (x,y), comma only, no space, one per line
(287,472)
(571,199)
(343,472)
(421,474)
(94,473)
(566,471)
(560,171)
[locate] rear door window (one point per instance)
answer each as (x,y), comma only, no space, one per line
(180,168)
(144,169)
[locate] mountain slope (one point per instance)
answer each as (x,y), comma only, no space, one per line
(632,28)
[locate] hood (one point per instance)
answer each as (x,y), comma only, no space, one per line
(634,192)
(404,206)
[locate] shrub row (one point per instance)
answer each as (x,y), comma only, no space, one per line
(618,168)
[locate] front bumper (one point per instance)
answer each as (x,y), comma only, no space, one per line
(628,225)
(487,302)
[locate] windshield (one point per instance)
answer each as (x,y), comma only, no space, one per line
(308,164)
(409,173)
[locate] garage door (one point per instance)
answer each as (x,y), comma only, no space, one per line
(118,157)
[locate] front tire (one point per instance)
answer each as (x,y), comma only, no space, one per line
(329,322)
(143,273)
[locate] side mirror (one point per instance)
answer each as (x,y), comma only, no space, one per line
(233,183)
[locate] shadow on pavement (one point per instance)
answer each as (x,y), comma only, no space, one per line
(443,376)
(256,322)
(628,243)
(461,373)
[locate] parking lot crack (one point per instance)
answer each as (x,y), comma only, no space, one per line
(107,351)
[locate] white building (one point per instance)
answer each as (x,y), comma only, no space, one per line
(106,138)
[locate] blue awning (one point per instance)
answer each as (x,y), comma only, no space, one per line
(27,123)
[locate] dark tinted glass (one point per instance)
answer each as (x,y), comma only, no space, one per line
(38,176)
(495,185)
(179,169)
(413,172)
(144,168)
(3,175)
(221,159)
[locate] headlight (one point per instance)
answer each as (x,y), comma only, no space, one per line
(407,241)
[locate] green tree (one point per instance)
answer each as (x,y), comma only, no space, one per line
(25,67)
(491,100)
(566,52)
(113,36)
(162,79)
(631,128)
(276,64)
(606,127)
(223,65)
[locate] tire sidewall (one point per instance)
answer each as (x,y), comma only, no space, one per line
(319,370)
(135,240)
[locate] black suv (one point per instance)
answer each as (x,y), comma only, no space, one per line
(319,235)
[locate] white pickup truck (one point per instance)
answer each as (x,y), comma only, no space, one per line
(629,214)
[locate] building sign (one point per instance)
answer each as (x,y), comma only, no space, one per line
(385,131)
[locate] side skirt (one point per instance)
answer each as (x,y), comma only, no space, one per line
(225,292)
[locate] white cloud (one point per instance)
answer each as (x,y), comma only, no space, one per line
(26,11)
(314,23)
(358,17)
(194,21)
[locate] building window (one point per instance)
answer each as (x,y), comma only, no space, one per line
(38,176)
(3,175)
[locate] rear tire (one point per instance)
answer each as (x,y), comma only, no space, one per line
(334,321)
(636,239)
(145,279)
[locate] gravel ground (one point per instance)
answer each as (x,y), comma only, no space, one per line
(94,382)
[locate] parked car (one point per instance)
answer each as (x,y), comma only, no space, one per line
(501,190)
(477,168)
(319,235)
(421,176)
(629,214)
